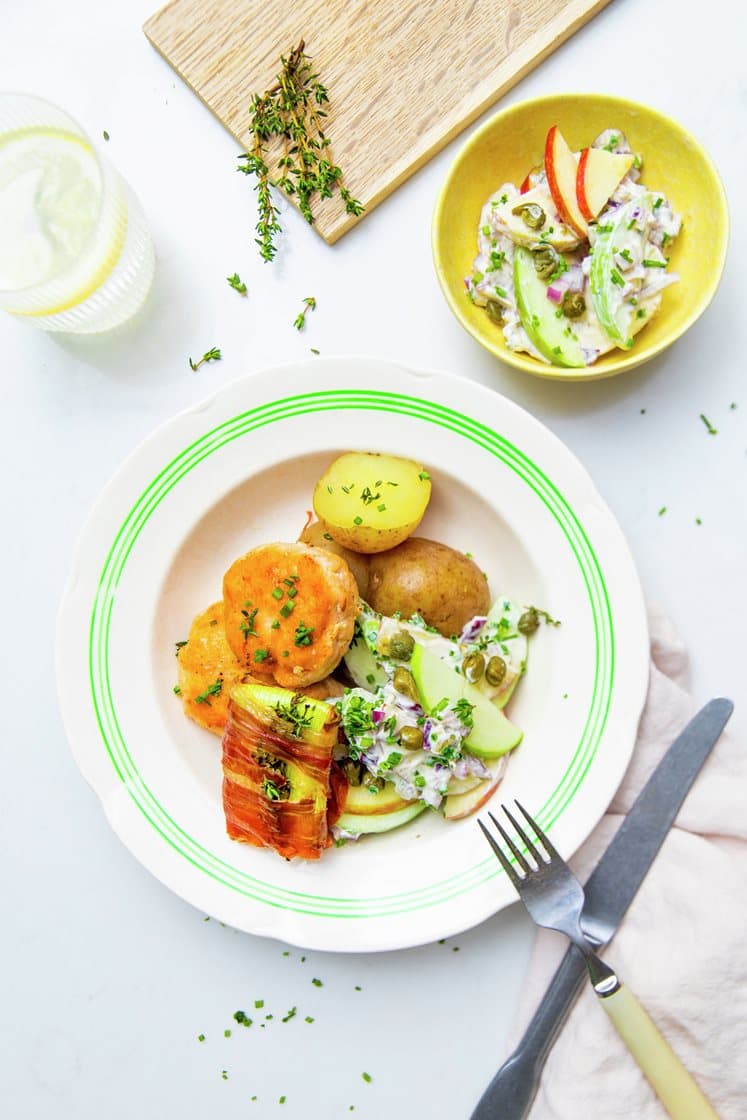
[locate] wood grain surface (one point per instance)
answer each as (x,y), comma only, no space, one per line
(404,76)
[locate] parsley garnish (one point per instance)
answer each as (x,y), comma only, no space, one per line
(261,654)
(213,355)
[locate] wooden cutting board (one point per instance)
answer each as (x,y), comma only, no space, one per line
(404,76)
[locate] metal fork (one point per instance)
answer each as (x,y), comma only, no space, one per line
(554,898)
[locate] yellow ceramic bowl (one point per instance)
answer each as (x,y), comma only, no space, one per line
(510,143)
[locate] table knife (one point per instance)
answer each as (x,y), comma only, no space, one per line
(610,889)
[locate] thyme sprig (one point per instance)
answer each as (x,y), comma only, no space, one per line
(292,111)
(212,355)
(309,304)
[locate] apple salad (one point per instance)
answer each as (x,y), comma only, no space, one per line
(573,262)
(424,726)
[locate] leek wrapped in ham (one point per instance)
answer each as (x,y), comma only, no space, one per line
(277,752)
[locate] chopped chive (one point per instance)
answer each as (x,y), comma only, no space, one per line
(277,593)
(648,263)
(709,426)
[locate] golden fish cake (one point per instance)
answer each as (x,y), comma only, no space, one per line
(290,612)
(208,669)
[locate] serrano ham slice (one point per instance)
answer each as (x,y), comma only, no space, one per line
(277,752)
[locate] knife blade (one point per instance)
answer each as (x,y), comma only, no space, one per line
(610,889)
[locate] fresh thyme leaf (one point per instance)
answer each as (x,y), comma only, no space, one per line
(213,355)
(709,426)
(309,304)
(179,645)
(105,134)
(237,283)
(292,111)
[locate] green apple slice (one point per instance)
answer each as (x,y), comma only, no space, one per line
(553,336)
(362,823)
(615,314)
(492,734)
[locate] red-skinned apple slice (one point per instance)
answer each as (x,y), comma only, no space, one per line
(598,174)
(527,184)
(560,168)
(460,805)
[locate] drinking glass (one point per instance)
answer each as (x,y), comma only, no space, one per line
(75,251)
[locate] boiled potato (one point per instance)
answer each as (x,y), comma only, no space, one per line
(424,577)
(317,535)
(370,502)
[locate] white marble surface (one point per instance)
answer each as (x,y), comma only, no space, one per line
(108,979)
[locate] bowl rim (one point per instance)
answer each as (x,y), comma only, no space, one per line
(625,362)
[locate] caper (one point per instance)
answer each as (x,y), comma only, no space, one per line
(495,671)
(404,683)
(574,305)
(473,667)
(353,771)
(494,311)
(528,622)
(411,738)
(401,645)
(532,215)
(545,261)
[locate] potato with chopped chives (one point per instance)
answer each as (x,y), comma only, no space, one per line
(371,502)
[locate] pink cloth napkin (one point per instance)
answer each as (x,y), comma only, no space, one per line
(682,947)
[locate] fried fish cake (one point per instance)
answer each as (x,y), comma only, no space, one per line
(290,611)
(208,669)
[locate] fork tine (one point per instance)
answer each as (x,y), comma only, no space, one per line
(518,856)
(549,848)
(510,871)
(531,846)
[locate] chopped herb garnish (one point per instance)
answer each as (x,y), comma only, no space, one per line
(105,134)
(698,521)
(612,143)
(640,313)
(616,278)
(289,1015)
(662,511)
(357,520)
(709,426)
(247,626)
(486,230)
(309,1019)
(227,1033)
(367,1078)
(213,355)
(317,983)
(381,507)
(237,283)
(648,263)
(224,1074)
(424,476)
(211,690)
(261,654)
(658,203)
(277,593)
(309,304)
(500,292)
(273,792)
(201,1038)
(275,625)
(177,690)
(287,609)
(241,1017)
(259,1003)
(626,255)
(303,635)
(296,712)
(179,645)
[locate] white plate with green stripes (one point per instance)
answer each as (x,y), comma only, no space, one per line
(239,470)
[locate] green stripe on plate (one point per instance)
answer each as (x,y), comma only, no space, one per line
(126,539)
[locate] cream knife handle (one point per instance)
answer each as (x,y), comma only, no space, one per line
(671,1082)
